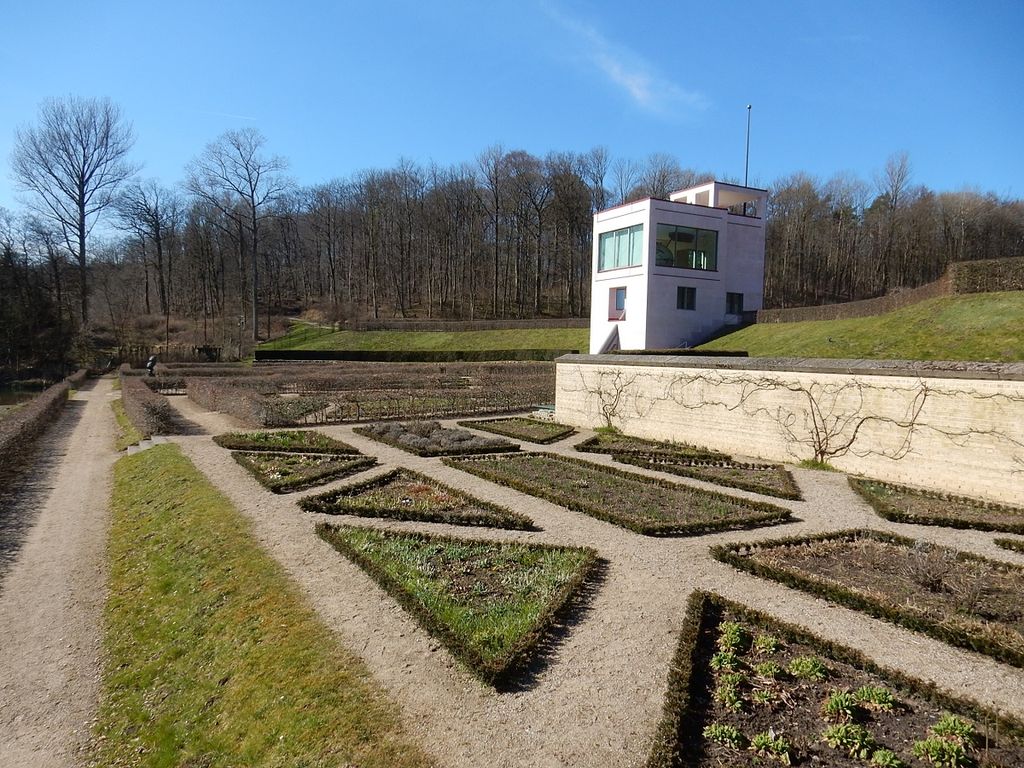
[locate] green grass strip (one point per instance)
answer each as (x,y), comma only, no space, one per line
(127,433)
(212,657)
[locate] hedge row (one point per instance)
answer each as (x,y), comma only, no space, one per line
(988,275)
(501,671)
(676,735)
(737,555)
(413,355)
(897,515)
(1014,545)
(19,429)
(149,412)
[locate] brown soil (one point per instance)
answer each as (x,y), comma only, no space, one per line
(600,698)
(51,596)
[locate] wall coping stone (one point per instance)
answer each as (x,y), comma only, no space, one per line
(937,369)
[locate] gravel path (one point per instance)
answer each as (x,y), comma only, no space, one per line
(51,596)
(598,700)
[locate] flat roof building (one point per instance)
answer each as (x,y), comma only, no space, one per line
(671,273)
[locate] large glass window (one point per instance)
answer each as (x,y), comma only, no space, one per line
(687,248)
(621,248)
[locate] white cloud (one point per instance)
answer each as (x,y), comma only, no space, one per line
(628,70)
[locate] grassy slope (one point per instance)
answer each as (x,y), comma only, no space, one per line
(302,336)
(213,658)
(986,326)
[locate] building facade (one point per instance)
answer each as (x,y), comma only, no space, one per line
(670,273)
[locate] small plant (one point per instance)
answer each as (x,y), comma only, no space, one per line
(929,565)
(725,660)
(840,707)
(809,668)
(773,746)
(764,697)
(728,691)
(768,670)
(886,758)
(726,735)
(731,636)
(875,697)
(822,466)
(942,753)
(953,728)
(767,644)
(855,739)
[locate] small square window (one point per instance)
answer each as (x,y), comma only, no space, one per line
(686,297)
(734,303)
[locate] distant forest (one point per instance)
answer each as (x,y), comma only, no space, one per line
(504,235)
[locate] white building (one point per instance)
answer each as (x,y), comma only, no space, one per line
(670,273)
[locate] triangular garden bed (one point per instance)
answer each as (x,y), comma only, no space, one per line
(491,603)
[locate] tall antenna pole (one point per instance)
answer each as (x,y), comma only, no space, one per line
(746,163)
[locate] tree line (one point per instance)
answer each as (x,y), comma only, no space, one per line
(506,235)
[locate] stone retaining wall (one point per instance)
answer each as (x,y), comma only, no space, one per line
(952,428)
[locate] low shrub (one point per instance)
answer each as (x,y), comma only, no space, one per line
(1014,545)
(149,412)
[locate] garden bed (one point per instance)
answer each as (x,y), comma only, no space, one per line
(956,597)
(769,479)
(490,603)
(406,495)
(910,505)
(285,441)
(429,438)
(748,690)
(616,443)
(643,504)
(288,472)
(522,428)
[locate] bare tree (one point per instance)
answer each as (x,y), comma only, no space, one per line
(72,164)
(235,177)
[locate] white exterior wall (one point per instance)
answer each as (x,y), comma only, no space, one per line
(744,272)
(632,330)
(968,437)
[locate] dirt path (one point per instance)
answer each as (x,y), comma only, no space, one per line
(598,700)
(51,597)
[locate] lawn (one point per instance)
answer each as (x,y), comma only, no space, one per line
(303,336)
(213,658)
(986,326)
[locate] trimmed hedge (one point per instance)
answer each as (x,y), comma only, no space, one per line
(149,412)
(18,430)
(762,513)
(490,516)
(414,355)
(897,515)
(674,742)
(837,593)
(500,671)
(650,448)
(988,275)
(1014,545)
(685,467)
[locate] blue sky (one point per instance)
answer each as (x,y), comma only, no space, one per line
(341,86)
